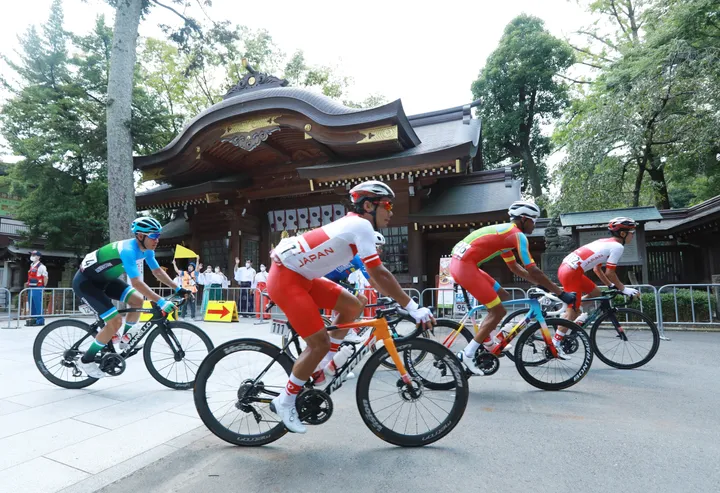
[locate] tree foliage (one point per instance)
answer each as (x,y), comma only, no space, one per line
(647,130)
(520,92)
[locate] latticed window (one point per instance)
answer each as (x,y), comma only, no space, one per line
(251,250)
(215,253)
(395,252)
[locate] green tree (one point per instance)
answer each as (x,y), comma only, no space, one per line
(55,120)
(648,128)
(520,91)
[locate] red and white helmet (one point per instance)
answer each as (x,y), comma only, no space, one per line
(371,189)
(618,224)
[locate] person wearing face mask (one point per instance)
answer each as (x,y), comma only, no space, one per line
(259,285)
(188,280)
(37,278)
(244,276)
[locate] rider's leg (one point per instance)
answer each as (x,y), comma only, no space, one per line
(574,281)
(112,325)
(348,308)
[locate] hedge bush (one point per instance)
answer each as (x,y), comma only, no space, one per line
(685,304)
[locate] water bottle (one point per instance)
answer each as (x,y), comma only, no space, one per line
(340,358)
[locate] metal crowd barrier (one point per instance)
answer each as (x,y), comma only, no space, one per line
(697,317)
(450,303)
(56,302)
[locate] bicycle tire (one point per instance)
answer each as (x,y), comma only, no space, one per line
(608,361)
(460,391)
(147,353)
(37,354)
(200,390)
(522,365)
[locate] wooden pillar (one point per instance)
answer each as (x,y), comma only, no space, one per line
(416,249)
(235,247)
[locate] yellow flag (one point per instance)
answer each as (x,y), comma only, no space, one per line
(182,252)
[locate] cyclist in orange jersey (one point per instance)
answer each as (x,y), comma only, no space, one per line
(487,243)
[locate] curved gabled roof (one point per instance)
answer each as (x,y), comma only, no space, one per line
(319,108)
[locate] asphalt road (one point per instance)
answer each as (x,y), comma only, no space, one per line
(655,429)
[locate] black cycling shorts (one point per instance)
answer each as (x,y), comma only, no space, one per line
(98,295)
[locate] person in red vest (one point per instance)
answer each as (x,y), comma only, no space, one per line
(37,278)
(260,284)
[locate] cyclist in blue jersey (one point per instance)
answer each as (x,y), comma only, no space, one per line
(98,282)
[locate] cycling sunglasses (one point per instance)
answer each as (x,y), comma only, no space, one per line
(153,236)
(386,204)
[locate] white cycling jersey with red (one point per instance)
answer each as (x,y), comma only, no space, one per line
(317,252)
(604,251)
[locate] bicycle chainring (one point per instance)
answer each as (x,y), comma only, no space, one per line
(570,344)
(113,364)
(487,362)
(314,406)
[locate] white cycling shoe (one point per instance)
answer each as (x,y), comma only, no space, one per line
(289,416)
(92,369)
(469,363)
(354,338)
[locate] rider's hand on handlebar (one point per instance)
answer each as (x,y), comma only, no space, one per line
(631,292)
(166,305)
(421,315)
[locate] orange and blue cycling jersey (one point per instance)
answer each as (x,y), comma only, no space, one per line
(487,243)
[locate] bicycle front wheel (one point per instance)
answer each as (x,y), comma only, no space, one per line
(173,356)
(537,365)
(234,387)
(625,338)
(57,349)
(412,415)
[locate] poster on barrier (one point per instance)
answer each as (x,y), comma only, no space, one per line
(445,285)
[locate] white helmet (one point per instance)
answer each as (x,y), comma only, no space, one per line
(379,239)
(524,208)
(369,190)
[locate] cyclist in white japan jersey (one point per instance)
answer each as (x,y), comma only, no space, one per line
(607,251)
(296,284)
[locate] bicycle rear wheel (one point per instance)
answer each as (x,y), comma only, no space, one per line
(56,350)
(625,338)
(412,415)
(537,365)
(174,360)
(232,397)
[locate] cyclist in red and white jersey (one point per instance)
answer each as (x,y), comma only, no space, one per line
(296,284)
(606,251)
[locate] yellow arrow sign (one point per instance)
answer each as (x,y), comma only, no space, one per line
(221,311)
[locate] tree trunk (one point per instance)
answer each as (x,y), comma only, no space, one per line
(638,182)
(532,171)
(121,185)
(657,175)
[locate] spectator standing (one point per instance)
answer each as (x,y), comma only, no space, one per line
(189,281)
(37,280)
(245,276)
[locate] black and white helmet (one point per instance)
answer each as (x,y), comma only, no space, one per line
(524,208)
(371,189)
(379,239)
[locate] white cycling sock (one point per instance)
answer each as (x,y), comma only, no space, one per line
(292,389)
(471,348)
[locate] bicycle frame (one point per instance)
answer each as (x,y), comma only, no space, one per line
(380,331)
(535,313)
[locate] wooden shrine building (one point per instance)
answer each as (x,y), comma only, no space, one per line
(270,158)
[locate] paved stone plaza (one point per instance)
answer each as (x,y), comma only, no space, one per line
(652,429)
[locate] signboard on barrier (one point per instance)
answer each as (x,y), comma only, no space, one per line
(221,311)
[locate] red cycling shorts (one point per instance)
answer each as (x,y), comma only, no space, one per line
(575,281)
(476,281)
(301,298)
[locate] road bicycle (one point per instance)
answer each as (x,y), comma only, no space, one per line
(621,337)
(172,352)
(238,380)
(535,355)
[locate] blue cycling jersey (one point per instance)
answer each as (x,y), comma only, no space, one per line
(343,272)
